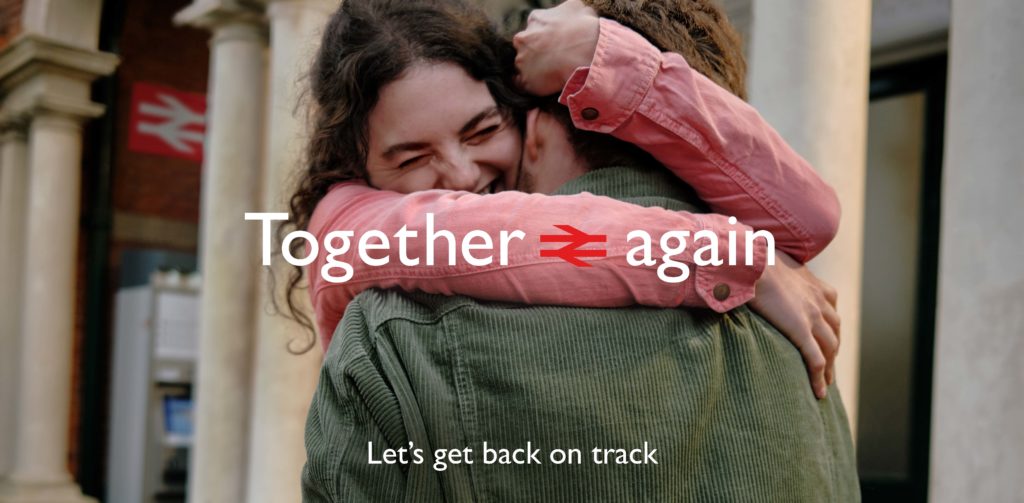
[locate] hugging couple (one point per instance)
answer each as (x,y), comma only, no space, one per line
(611,116)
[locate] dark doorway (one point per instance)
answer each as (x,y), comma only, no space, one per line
(906,121)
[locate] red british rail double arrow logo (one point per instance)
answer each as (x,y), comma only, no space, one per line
(574,239)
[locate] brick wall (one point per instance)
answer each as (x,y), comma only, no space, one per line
(10,20)
(153,50)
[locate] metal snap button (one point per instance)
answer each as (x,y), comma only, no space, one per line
(721,292)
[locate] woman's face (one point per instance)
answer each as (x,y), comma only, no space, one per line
(438,128)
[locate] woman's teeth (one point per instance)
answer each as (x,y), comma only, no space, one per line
(489,189)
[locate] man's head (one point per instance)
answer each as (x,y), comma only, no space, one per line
(555,151)
(696,29)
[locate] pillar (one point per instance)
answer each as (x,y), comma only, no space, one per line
(977,447)
(284,382)
(13,187)
(46,84)
(809,72)
(48,304)
(228,249)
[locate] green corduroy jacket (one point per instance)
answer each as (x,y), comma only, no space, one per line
(723,400)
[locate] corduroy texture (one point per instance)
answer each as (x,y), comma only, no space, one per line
(724,399)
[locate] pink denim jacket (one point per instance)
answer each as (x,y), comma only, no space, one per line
(708,137)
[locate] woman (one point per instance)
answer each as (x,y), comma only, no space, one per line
(407,102)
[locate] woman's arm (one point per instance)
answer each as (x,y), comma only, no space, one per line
(708,137)
(776,192)
(528,277)
(614,81)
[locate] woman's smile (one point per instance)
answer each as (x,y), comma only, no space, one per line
(438,128)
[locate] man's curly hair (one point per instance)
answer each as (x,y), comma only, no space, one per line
(696,29)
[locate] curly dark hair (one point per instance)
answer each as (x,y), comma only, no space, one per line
(696,29)
(366,45)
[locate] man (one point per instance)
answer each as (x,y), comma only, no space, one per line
(702,405)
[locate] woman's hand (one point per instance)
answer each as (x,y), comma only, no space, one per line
(803,308)
(554,44)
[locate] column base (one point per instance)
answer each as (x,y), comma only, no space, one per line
(35,492)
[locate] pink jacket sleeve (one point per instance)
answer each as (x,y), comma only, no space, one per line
(707,136)
(528,278)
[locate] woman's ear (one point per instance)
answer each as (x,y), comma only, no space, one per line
(533,141)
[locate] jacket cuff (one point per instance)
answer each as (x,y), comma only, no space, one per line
(725,287)
(602,96)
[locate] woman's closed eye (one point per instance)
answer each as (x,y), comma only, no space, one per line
(483,134)
(414,162)
(478,137)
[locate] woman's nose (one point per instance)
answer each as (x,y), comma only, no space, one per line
(459,174)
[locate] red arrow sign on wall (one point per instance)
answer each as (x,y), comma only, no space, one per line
(166,121)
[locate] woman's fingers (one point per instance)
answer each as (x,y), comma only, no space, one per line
(832,320)
(831,295)
(831,316)
(828,342)
(815,361)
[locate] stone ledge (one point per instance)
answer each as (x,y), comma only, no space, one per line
(212,14)
(32,53)
(41,75)
(139,229)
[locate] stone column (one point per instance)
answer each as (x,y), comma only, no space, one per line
(977,451)
(284,382)
(228,249)
(51,245)
(13,188)
(47,82)
(809,71)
